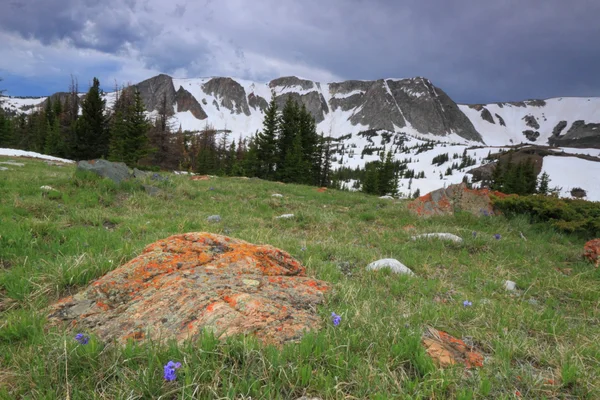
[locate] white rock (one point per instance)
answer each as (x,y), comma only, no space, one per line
(387,197)
(285,216)
(276,195)
(391,263)
(510,285)
(47,188)
(14,164)
(443,236)
(3,169)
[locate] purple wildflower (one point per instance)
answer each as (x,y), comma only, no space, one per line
(498,236)
(82,339)
(336,319)
(303,248)
(474,234)
(169,370)
(467,303)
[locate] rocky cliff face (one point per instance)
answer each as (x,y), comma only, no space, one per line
(186,102)
(153,90)
(580,134)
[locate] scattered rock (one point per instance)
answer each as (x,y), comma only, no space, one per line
(442,236)
(184,284)
(533,302)
(3,169)
(151,190)
(139,174)
(285,216)
(457,197)
(200,178)
(447,350)
(12,163)
(47,188)
(115,171)
(214,218)
(386,197)
(158,177)
(391,263)
(591,251)
(510,286)
(322,189)
(276,195)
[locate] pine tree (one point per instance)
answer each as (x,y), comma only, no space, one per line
(371,180)
(92,135)
(53,145)
(288,129)
(544,184)
(137,131)
(266,141)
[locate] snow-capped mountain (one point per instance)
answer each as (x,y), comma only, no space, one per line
(398,114)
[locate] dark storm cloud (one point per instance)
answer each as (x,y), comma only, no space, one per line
(477,51)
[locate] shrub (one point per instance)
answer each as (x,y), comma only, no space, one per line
(571,216)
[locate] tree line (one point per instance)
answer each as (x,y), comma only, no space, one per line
(78,127)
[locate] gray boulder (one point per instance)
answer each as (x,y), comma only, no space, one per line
(115,171)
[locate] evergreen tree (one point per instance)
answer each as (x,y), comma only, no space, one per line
(544,184)
(266,142)
(92,135)
(137,131)
(53,145)
(371,180)
(288,129)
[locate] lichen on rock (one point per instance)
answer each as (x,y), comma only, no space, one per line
(187,283)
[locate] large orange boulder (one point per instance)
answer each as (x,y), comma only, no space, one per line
(446,201)
(591,251)
(184,284)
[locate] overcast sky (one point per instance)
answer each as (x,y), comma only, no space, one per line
(475,50)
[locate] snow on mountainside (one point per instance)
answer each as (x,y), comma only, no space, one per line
(531,121)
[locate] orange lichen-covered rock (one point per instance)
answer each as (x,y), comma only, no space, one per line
(591,251)
(187,283)
(446,201)
(447,350)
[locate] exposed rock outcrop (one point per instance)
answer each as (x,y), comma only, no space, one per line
(257,102)
(559,128)
(446,201)
(186,102)
(188,283)
(314,101)
(579,134)
(531,135)
(154,90)
(500,120)
(486,115)
(230,93)
(591,251)
(531,121)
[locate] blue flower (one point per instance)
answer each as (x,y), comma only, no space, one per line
(498,236)
(474,234)
(336,319)
(303,248)
(169,370)
(211,188)
(467,303)
(82,339)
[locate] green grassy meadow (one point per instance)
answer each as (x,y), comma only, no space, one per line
(541,342)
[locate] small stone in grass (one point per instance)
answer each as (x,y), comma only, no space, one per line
(391,263)
(510,285)
(276,195)
(285,216)
(214,218)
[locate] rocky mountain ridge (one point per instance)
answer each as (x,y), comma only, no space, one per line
(412,106)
